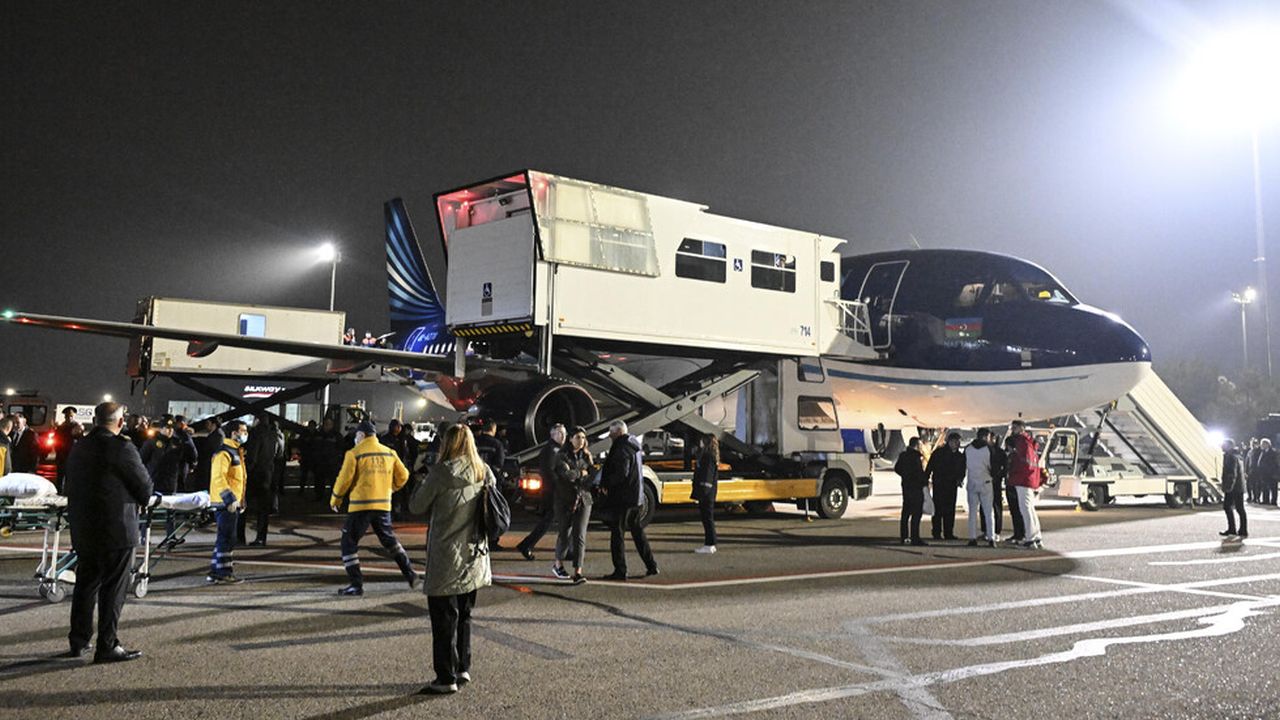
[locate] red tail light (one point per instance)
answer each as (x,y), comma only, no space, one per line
(50,440)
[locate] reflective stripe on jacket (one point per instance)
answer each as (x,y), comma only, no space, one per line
(226,474)
(370,472)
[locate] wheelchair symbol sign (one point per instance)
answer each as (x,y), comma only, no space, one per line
(737,264)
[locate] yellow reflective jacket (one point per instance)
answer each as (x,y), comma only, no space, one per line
(370,472)
(226,475)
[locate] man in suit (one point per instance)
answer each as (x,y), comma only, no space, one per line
(26,446)
(106,482)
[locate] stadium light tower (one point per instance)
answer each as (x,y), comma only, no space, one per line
(328,253)
(1244,299)
(1234,77)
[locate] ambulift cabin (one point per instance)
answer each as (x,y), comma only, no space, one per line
(586,267)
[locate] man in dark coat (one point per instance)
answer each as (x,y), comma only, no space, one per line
(547,510)
(946,471)
(1233,480)
(327,452)
(165,455)
(206,445)
(405,446)
(25,446)
(1268,472)
(266,446)
(106,482)
(67,433)
(910,467)
(622,495)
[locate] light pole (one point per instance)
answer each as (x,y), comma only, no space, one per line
(1243,299)
(328,252)
(1260,238)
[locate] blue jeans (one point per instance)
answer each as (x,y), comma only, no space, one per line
(223,547)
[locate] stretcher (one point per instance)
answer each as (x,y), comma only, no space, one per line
(57,568)
(187,511)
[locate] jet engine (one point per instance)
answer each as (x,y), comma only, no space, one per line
(528,409)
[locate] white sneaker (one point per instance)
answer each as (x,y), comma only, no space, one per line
(439,689)
(706,550)
(464,677)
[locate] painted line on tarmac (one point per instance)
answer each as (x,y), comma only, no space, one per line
(1134,588)
(1216,561)
(1229,621)
(926,567)
(1191,588)
(918,700)
(1073,629)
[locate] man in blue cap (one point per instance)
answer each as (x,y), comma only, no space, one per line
(370,473)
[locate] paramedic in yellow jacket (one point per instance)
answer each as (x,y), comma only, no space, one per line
(226,497)
(370,472)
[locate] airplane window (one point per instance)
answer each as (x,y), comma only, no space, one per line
(701,260)
(828,270)
(817,413)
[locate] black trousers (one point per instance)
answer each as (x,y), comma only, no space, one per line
(622,521)
(260,520)
(944,509)
(451,634)
(357,524)
(1019,527)
(707,511)
(547,515)
(1235,501)
(997,507)
(912,513)
(1268,496)
(102,576)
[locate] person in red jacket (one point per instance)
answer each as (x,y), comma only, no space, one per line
(1024,475)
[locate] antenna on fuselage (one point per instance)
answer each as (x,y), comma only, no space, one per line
(914,241)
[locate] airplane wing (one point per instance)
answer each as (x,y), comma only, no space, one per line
(342,358)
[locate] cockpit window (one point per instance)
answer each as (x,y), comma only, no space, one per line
(1039,286)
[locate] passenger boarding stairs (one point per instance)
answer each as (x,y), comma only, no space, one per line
(1151,429)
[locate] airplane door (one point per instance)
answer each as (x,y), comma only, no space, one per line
(879,290)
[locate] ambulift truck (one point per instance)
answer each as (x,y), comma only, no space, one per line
(796,453)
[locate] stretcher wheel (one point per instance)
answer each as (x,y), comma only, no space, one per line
(140,589)
(52,593)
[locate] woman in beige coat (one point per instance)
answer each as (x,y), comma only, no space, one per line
(457,556)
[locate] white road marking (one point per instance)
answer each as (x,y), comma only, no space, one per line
(926,567)
(1230,620)
(1216,561)
(1191,588)
(918,700)
(1074,629)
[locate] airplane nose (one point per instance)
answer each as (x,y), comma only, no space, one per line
(1115,341)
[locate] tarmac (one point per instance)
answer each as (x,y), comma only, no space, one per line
(1133,611)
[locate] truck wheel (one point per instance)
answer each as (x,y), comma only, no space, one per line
(833,500)
(1180,497)
(649,508)
(1097,498)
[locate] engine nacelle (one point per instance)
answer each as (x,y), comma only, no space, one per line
(528,409)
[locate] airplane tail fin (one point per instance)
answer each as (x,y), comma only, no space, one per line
(417,312)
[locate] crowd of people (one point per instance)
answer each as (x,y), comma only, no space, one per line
(995,471)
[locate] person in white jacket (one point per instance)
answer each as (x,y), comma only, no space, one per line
(977,460)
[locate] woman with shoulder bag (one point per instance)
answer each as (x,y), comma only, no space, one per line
(706,476)
(573,509)
(457,555)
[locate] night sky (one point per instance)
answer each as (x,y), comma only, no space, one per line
(203,149)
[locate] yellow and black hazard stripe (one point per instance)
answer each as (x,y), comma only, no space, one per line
(490,330)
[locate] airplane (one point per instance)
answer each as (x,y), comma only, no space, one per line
(516,283)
